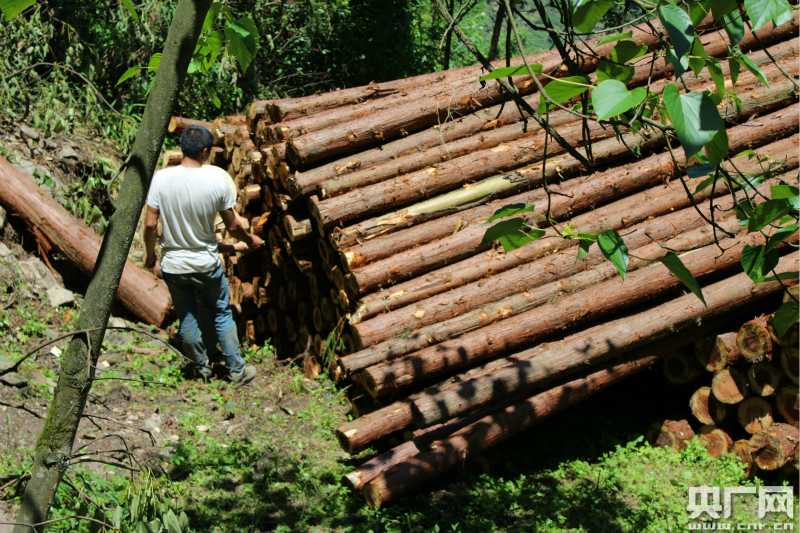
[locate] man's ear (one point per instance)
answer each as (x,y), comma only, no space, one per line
(206,155)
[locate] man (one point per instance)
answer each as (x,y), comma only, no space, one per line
(187,198)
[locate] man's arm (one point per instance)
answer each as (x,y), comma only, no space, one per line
(150,236)
(236,230)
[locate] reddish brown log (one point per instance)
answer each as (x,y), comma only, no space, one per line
(775,446)
(717,352)
(707,409)
(754,414)
(533,365)
(715,440)
(754,341)
(179,124)
(57,230)
(671,434)
(680,369)
(741,449)
(787,403)
(730,386)
(764,379)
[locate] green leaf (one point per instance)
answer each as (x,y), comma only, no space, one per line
(676,266)
(583,248)
(762,11)
(698,11)
(715,69)
(130,73)
(214,42)
(155,61)
(766,213)
(611,98)
(508,72)
(614,249)
(747,63)
(588,12)
(211,16)
(720,8)
(734,66)
(617,37)
(508,210)
(679,27)
(171,522)
(780,236)
(127,4)
(734,27)
(757,261)
(680,64)
(785,316)
(782,276)
(183,520)
(788,193)
(510,235)
(563,89)
(694,116)
(12,8)
(717,147)
(116,520)
(241,39)
(627,51)
(606,70)
(697,57)
(213,95)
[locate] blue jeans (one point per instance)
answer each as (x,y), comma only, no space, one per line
(211,288)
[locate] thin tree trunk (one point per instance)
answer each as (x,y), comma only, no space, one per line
(54,445)
(498,26)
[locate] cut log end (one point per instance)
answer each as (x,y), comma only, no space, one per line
(352,480)
(787,402)
(680,369)
(729,386)
(372,495)
(754,341)
(706,408)
(741,449)
(673,434)
(755,414)
(790,363)
(764,378)
(774,447)
(715,440)
(718,352)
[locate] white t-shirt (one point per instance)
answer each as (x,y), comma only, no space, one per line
(188,199)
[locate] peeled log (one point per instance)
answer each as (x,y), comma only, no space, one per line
(787,403)
(527,368)
(764,379)
(754,414)
(592,303)
(717,352)
(790,363)
(680,369)
(729,386)
(754,340)
(56,229)
(715,440)
(707,409)
(741,449)
(671,434)
(179,124)
(775,446)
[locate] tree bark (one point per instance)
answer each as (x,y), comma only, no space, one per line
(671,434)
(754,341)
(707,409)
(715,440)
(612,216)
(717,352)
(775,446)
(729,386)
(54,445)
(786,400)
(754,414)
(764,379)
(498,25)
(596,343)
(56,229)
(179,124)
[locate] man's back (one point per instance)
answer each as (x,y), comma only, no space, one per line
(188,199)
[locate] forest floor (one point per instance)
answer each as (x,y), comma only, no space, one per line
(264,457)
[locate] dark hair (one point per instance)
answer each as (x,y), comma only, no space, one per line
(194,140)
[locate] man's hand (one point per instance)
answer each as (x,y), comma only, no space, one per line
(150,260)
(235,229)
(157,270)
(258,242)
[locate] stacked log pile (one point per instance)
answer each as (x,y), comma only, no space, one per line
(372,200)
(749,405)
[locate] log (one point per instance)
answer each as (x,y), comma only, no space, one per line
(715,440)
(790,363)
(296,229)
(57,230)
(754,414)
(179,124)
(790,338)
(763,378)
(730,386)
(525,369)
(754,341)
(506,288)
(717,352)
(680,369)
(671,434)
(786,400)
(775,446)
(741,449)
(706,408)
(572,310)
(634,209)
(420,469)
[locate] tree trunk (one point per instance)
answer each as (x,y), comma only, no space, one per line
(729,386)
(56,229)
(179,124)
(498,25)
(680,369)
(717,352)
(630,210)
(519,290)
(707,409)
(54,445)
(754,414)
(593,344)
(786,401)
(715,440)
(754,341)
(775,446)
(764,378)
(671,434)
